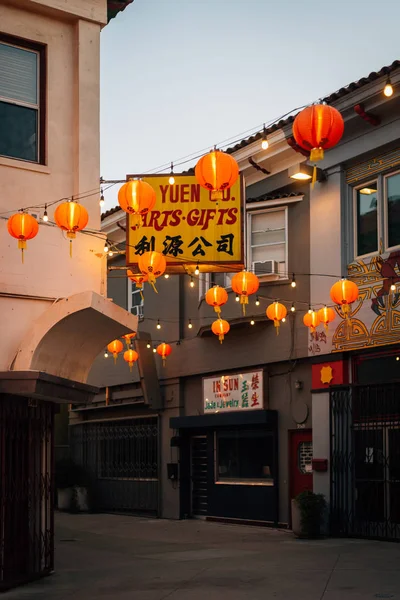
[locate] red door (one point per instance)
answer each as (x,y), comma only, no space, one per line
(301,478)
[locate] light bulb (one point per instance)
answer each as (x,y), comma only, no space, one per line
(149,346)
(257,301)
(388,89)
(106,354)
(393,287)
(45,215)
(171,180)
(106,248)
(197,270)
(190,324)
(310,310)
(111,253)
(293,282)
(264,144)
(252,322)
(293,308)
(283,320)
(191,282)
(397,357)
(237,298)
(154,350)
(166,276)
(101,201)
(158,324)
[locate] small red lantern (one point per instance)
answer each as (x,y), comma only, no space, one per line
(245,284)
(276,312)
(71,217)
(216,171)
(326,315)
(115,347)
(128,337)
(217,296)
(130,356)
(220,328)
(152,264)
(136,198)
(311,320)
(344,293)
(317,128)
(23,227)
(164,350)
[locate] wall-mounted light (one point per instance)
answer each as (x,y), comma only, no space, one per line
(301,172)
(368,191)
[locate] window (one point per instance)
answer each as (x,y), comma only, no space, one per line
(245,456)
(377,215)
(21,101)
(267,242)
(135,299)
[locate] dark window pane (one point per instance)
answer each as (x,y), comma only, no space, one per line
(393,208)
(367,220)
(245,455)
(18,127)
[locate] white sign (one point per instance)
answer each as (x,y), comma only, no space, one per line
(242,391)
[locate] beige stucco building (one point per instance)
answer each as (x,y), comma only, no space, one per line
(54,313)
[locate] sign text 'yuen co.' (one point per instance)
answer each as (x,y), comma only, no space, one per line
(189,228)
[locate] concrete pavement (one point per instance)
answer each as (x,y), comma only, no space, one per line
(106,557)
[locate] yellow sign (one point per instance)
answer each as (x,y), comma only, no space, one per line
(188,227)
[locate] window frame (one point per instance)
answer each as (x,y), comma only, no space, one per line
(355,220)
(140,314)
(385,220)
(249,255)
(41,51)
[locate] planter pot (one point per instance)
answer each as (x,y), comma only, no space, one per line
(81,495)
(64,497)
(296,519)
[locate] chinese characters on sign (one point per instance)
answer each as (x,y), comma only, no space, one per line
(243,391)
(188,227)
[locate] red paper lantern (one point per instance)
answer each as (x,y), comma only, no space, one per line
(220,328)
(276,312)
(216,171)
(71,217)
(164,350)
(217,296)
(22,227)
(317,128)
(245,284)
(130,356)
(115,347)
(344,293)
(136,198)
(326,315)
(311,320)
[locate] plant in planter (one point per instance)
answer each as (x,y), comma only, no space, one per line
(72,484)
(308,511)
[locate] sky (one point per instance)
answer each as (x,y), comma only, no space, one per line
(178,76)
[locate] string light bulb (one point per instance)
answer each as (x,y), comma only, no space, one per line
(106,354)
(293,308)
(166,276)
(393,287)
(264,143)
(257,301)
(252,322)
(158,324)
(111,253)
(101,201)
(293,282)
(154,350)
(191,282)
(106,247)
(149,346)
(284,320)
(237,298)
(45,215)
(310,310)
(190,324)
(197,270)
(171,179)
(388,89)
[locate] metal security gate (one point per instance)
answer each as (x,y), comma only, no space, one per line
(122,458)
(26,490)
(365,461)
(199,475)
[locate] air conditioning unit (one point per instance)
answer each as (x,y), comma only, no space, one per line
(138,311)
(265,268)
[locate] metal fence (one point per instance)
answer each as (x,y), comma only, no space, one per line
(26,490)
(122,459)
(365,461)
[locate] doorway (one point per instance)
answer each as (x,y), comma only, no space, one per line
(198,469)
(300,462)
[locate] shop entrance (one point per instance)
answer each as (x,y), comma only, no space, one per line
(198,468)
(301,454)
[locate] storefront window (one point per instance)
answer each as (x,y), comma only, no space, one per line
(245,456)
